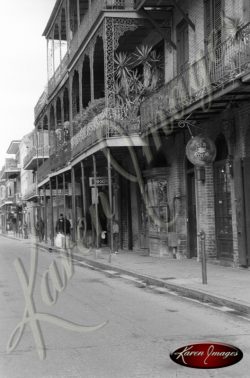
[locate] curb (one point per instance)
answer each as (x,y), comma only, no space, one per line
(153,281)
(11,237)
(183,291)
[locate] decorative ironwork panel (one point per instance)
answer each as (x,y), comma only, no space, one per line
(115,28)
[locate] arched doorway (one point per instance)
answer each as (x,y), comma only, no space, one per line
(223,205)
(99,69)
(75,94)
(66,104)
(58,113)
(86,91)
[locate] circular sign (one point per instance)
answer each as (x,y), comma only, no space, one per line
(200,150)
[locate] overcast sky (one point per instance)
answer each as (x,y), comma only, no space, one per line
(23,66)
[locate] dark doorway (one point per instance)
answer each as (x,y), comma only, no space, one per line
(192,222)
(223,206)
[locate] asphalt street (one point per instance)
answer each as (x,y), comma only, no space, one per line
(142,327)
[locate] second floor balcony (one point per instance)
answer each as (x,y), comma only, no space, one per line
(35,156)
(31,192)
(112,127)
(110,124)
(63,45)
(57,160)
(213,74)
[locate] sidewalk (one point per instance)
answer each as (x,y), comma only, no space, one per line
(226,286)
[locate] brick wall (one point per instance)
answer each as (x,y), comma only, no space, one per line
(234,124)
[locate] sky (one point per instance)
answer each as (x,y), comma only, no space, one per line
(23,66)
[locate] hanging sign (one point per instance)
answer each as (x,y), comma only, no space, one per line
(100,181)
(200,151)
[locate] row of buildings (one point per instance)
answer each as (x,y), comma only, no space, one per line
(129,83)
(19,214)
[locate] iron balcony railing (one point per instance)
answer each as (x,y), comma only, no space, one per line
(111,122)
(41,103)
(57,160)
(43,170)
(61,157)
(34,153)
(97,6)
(59,74)
(30,192)
(218,68)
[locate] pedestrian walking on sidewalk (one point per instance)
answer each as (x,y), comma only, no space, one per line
(63,232)
(63,225)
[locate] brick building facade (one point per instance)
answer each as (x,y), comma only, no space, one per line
(136,159)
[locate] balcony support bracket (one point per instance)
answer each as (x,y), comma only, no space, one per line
(158,28)
(185,16)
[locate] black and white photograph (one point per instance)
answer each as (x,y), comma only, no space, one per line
(125,189)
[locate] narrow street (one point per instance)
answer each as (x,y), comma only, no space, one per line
(143,327)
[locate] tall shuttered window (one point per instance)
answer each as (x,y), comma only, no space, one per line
(213,22)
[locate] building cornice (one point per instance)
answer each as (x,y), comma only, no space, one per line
(52,18)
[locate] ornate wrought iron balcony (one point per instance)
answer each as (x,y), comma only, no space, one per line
(111,122)
(90,17)
(35,156)
(214,71)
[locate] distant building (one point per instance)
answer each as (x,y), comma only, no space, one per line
(10,191)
